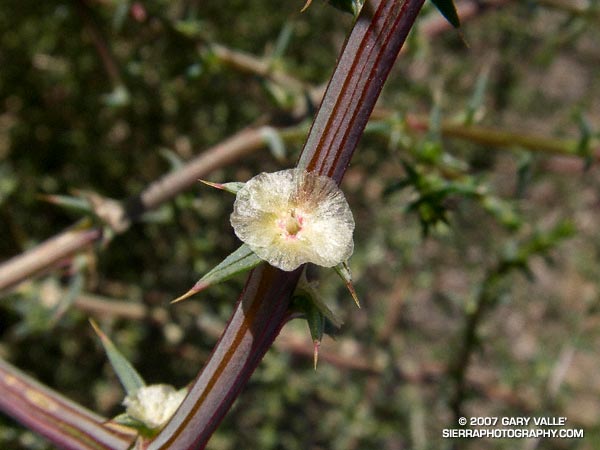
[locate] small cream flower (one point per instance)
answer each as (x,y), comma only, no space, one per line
(292,217)
(154,405)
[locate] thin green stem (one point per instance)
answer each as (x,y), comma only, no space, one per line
(494,137)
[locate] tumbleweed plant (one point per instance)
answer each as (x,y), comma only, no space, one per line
(428,241)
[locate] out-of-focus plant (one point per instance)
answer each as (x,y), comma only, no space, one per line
(147,71)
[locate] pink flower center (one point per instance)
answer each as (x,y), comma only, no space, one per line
(291,224)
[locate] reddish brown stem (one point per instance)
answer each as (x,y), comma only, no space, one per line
(258,317)
(46,255)
(362,69)
(61,246)
(100,43)
(64,423)
(262,309)
(15,270)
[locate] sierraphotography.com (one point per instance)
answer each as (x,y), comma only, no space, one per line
(521,427)
(512,433)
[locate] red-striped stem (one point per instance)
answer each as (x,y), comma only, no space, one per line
(262,309)
(259,315)
(67,425)
(362,69)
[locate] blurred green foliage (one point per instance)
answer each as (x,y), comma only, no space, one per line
(108,95)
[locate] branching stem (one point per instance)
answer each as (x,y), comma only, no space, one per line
(262,309)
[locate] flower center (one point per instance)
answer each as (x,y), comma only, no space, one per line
(291,223)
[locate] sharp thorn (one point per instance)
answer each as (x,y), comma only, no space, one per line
(306,5)
(211,184)
(353,294)
(183,297)
(199,286)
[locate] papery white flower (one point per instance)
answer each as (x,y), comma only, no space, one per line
(154,405)
(292,217)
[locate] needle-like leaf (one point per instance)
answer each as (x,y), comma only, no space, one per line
(448,10)
(128,376)
(232,187)
(241,260)
(343,270)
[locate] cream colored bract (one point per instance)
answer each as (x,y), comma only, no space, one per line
(154,405)
(293,217)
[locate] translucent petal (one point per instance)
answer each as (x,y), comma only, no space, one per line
(292,217)
(154,405)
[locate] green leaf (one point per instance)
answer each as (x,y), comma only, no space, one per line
(343,270)
(232,187)
(314,319)
(283,40)
(174,160)
(448,10)
(434,133)
(126,420)
(192,29)
(316,322)
(77,205)
(76,285)
(119,97)
(477,98)
(8,182)
(502,211)
(316,325)
(583,148)
(524,172)
(306,294)
(350,6)
(130,379)
(273,140)
(318,316)
(120,15)
(241,260)
(281,96)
